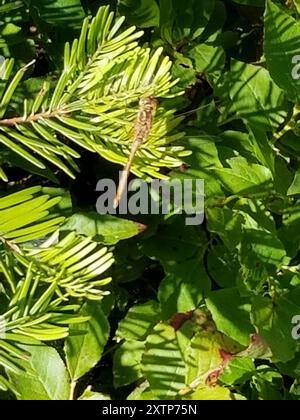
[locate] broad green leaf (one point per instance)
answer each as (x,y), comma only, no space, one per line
(244,178)
(274,323)
(226,224)
(254,96)
(238,371)
(223,266)
(283,176)
(183,288)
(180,20)
(175,243)
(205,152)
(202,357)
(262,148)
(48,380)
(216,21)
(268,384)
(90,395)
(186,75)
(86,341)
(185,329)
(297,4)
(130,262)
(291,368)
(295,187)
(143,13)
(258,349)
(231,315)
(255,215)
(207,58)
(201,161)
(289,233)
(237,141)
(262,247)
(68,13)
(105,228)
(216,393)
(251,277)
(139,321)
(290,141)
(281,47)
(127,362)
(295,390)
(162,362)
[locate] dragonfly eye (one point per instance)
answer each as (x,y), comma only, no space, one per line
(149,103)
(145,102)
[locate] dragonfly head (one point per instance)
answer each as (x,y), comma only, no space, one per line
(149,103)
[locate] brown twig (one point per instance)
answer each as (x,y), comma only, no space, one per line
(10,122)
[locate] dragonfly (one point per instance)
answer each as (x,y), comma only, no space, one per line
(142,128)
(139,124)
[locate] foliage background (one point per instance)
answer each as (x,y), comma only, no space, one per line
(193,312)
